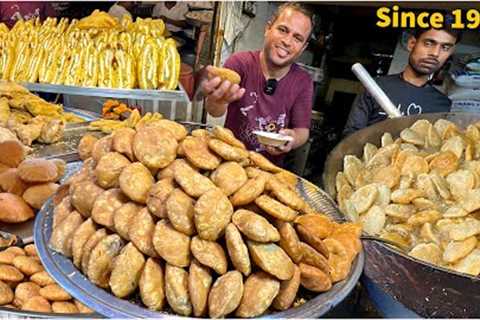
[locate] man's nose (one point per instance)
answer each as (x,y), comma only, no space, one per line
(287,40)
(435,51)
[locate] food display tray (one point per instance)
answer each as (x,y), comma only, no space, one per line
(437,292)
(73,281)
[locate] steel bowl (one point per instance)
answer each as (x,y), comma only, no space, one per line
(75,283)
(428,290)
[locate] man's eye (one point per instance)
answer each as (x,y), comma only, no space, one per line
(428,43)
(282,30)
(446,47)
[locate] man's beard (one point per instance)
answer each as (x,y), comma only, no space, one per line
(421,71)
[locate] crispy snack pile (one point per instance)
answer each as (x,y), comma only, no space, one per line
(421,191)
(25,184)
(25,285)
(97,51)
(27,117)
(196,222)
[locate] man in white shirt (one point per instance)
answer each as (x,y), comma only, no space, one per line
(120,8)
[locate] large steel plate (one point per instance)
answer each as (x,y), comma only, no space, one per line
(428,290)
(73,281)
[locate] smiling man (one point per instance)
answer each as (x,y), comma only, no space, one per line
(275,94)
(410,91)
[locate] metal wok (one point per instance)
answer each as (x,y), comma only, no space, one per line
(428,290)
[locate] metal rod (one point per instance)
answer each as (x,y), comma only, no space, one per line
(377,92)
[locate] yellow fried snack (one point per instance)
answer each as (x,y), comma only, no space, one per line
(272,259)
(109,168)
(259,292)
(225,74)
(158,195)
(27,265)
(135,181)
(123,142)
(225,295)
(177,130)
(171,245)
(180,211)
(89,245)
(192,182)
(288,291)
(54,292)
(151,285)
(237,250)
(197,152)
(263,163)
(80,237)
(123,217)
(226,151)
(62,235)
(141,232)
(155,147)
(127,268)
(176,290)
(210,254)
(275,208)
(226,135)
(249,191)
(199,283)
(213,212)
(101,260)
(229,177)
(105,206)
(254,226)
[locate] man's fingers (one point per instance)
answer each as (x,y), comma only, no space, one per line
(221,91)
(211,85)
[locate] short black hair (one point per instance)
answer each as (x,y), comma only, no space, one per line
(447,27)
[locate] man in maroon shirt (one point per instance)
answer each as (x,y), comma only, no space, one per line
(11,11)
(275,94)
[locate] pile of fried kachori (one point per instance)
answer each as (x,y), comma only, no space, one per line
(197,222)
(421,191)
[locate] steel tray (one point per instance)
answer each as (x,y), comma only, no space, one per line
(428,290)
(73,281)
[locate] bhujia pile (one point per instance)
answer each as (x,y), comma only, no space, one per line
(421,190)
(25,285)
(196,222)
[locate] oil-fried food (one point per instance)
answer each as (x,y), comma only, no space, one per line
(225,295)
(237,250)
(213,212)
(180,211)
(85,146)
(11,182)
(79,238)
(176,290)
(275,208)
(54,292)
(167,172)
(101,260)
(14,209)
(254,226)
(227,151)
(289,241)
(210,254)
(288,291)
(37,170)
(109,168)
(37,304)
(81,307)
(27,265)
(64,307)
(10,274)
(249,191)
(102,147)
(263,163)
(135,181)
(83,196)
(316,224)
(313,258)
(151,285)
(175,128)
(272,259)
(172,245)
(123,142)
(6,257)
(285,194)
(127,268)
(312,240)
(314,279)
(155,147)
(105,206)
(225,74)
(199,283)
(123,217)
(229,177)
(259,291)
(197,152)
(192,182)
(37,195)
(26,290)
(90,245)
(61,239)
(12,153)
(6,293)
(158,195)
(339,260)
(226,135)
(42,278)
(141,231)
